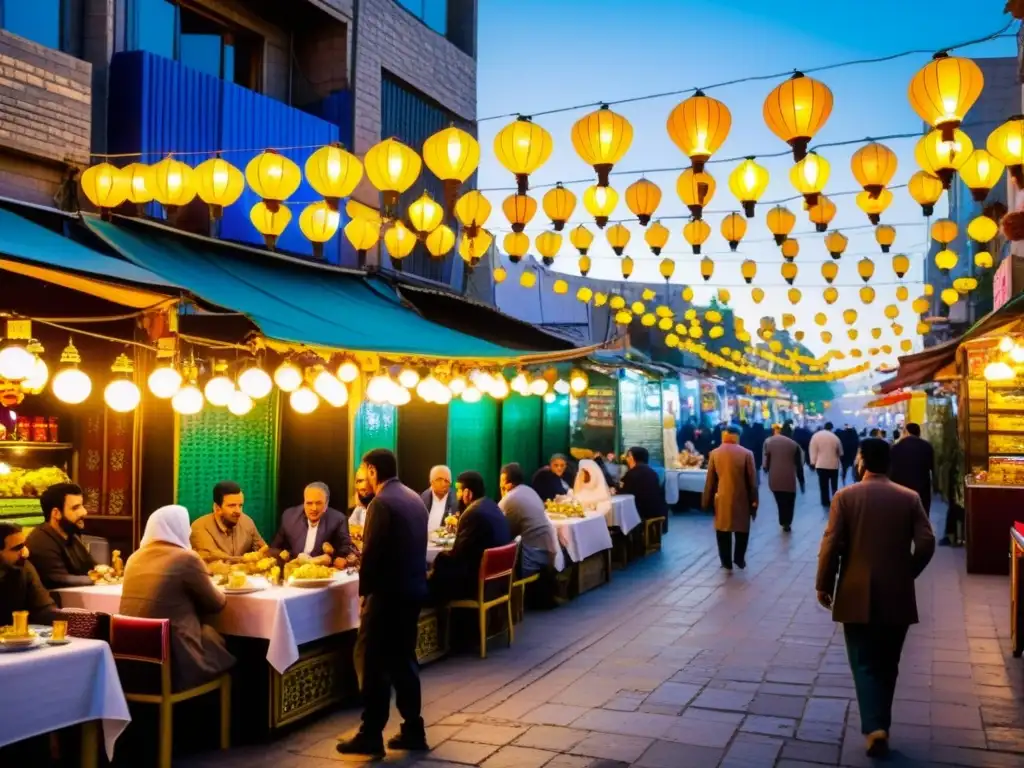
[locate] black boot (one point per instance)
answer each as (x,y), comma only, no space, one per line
(363,744)
(409,740)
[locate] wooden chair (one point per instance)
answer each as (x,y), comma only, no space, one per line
(519,586)
(494,588)
(652,534)
(148,642)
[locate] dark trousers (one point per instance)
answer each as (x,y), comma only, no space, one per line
(845,471)
(786,502)
(874,653)
(725,550)
(827,478)
(385,658)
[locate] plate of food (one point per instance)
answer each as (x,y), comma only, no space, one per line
(239,583)
(12,642)
(312,575)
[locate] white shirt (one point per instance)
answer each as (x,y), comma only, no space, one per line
(358,516)
(438,511)
(826,450)
(310,537)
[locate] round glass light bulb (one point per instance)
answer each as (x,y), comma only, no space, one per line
(164,382)
(255,382)
(122,395)
(549,397)
(379,388)
(578,385)
(188,400)
(471,395)
(443,395)
(348,371)
(330,389)
(71,386)
(458,385)
(1005,344)
(998,371)
(1017,354)
(16,362)
(304,400)
(538,387)
(499,388)
(241,403)
(36,381)
(399,395)
(562,387)
(288,377)
(219,390)
(408,378)
(520,384)
(426,390)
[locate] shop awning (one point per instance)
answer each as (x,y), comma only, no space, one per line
(294,301)
(30,249)
(891,399)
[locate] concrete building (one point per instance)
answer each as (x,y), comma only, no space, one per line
(195,77)
(1000,99)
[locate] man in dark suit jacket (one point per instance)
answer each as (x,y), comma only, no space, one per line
(913,464)
(642,483)
(482,525)
(439,498)
(392,588)
(305,529)
(878,540)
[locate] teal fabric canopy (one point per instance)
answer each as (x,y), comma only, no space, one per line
(290,301)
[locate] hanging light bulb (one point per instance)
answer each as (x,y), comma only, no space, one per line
(16,362)
(122,394)
(328,387)
(288,377)
(601,139)
(796,110)
(36,381)
(471,395)
(348,370)
(240,403)
(71,385)
(164,381)
(220,388)
(304,400)
(188,400)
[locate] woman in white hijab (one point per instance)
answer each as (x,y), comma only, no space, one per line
(165,579)
(591,489)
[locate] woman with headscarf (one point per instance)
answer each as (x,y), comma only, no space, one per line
(165,579)
(591,488)
(547,484)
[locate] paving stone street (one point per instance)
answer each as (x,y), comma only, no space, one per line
(678,663)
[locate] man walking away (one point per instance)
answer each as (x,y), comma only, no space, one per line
(878,540)
(913,464)
(731,487)
(848,437)
(826,454)
(392,587)
(784,463)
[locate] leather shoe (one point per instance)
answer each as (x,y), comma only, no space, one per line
(409,742)
(363,744)
(877,744)
(741,564)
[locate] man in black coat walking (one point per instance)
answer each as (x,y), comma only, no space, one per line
(392,589)
(913,464)
(851,444)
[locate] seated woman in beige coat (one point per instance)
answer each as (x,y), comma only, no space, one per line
(165,579)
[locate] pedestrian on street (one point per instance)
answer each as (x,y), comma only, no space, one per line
(731,486)
(848,437)
(913,464)
(877,542)
(826,456)
(392,588)
(784,463)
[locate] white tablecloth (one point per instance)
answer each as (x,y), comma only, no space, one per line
(286,616)
(583,536)
(683,480)
(623,513)
(54,687)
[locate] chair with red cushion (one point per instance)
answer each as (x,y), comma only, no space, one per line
(494,588)
(147,643)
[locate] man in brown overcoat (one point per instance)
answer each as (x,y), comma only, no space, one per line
(731,486)
(784,463)
(878,540)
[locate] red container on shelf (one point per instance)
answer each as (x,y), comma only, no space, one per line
(40,430)
(24,427)
(54,430)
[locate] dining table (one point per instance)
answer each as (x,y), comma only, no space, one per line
(50,687)
(679,481)
(583,536)
(623,513)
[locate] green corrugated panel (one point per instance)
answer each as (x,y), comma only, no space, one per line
(376,427)
(216,445)
(555,428)
(521,432)
(473,440)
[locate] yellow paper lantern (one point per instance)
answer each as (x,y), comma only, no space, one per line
(333,173)
(648,320)
(516,245)
(796,110)
(926,190)
(601,139)
(944,231)
(852,334)
(424,214)
(707,268)
(982,229)
(946,259)
(687,294)
(667,268)
(867,294)
(627,267)
(836,243)
(950,296)
(698,126)
(105,186)
(902,292)
(734,227)
(319,223)
(548,244)
(642,198)
(273,176)
(472,210)
(522,147)
(363,234)
(892,311)
(929,289)
(656,237)
(623,317)
(780,223)
(865,268)
(826,336)
(500,275)
(560,287)
(900,265)
(452,155)
(618,238)
(584,265)
(584,294)
(696,233)
(942,157)
(616,302)
(270,222)
(872,206)
(749,270)
(1006,143)
(920,305)
(757,295)
(822,213)
(140,183)
(793,294)
(695,189)
(983,260)
(821,318)
(519,210)
(600,299)
(475,247)
(440,241)
(219,184)
(981,173)
(716,332)
(809,177)
(600,202)
(790,249)
(789,272)
(558,203)
(671,340)
(173,183)
(885,236)
(849,316)
(392,168)
(748,181)
(873,167)
(581,239)
(528,278)
(944,89)
(906,345)
(637,308)
(964,285)
(922,328)
(829,270)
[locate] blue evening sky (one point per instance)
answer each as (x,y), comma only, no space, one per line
(542,54)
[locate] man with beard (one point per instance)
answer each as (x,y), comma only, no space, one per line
(20,587)
(57,552)
(226,533)
(364,495)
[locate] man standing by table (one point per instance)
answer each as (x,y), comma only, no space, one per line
(20,587)
(731,486)
(784,463)
(57,552)
(439,498)
(913,464)
(226,533)
(877,542)
(826,455)
(306,529)
(392,588)
(364,495)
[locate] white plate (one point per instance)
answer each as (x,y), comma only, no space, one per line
(65,641)
(8,647)
(310,583)
(242,590)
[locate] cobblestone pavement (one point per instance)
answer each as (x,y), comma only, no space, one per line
(678,664)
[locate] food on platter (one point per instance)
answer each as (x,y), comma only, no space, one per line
(18,482)
(313,571)
(105,574)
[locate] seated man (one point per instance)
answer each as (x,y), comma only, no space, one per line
(20,587)
(58,554)
(524,510)
(481,526)
(641,482)
(439,498)
(306,529)
(226,533)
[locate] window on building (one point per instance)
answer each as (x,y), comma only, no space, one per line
(433,13)
(53,23)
